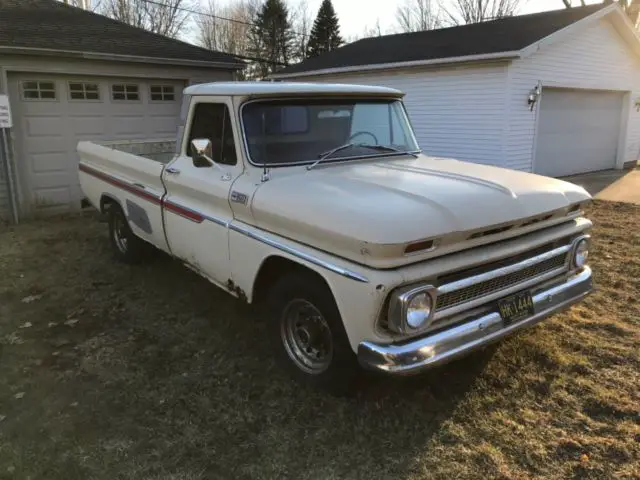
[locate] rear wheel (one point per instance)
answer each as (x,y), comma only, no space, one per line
(126,245)
(308,336)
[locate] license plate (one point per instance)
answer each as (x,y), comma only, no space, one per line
(516,307)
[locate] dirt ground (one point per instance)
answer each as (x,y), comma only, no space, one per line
(116,372)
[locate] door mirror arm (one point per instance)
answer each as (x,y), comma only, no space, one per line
(201,149)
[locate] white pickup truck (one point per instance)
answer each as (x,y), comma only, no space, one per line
(314,202)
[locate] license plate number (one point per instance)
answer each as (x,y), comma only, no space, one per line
(516,307)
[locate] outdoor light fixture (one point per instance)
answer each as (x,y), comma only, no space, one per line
(534,93)
(637,104)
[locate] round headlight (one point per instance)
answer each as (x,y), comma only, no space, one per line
(581,253)
(419,310)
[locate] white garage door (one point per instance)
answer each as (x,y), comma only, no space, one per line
(578,131)
(54,112)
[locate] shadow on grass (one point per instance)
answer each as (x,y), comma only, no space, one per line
(165,376)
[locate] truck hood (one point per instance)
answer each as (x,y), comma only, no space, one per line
(369,211)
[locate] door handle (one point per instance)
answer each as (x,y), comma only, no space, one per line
(172,171)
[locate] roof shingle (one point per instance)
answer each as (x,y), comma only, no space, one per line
(52,25)
(502,35)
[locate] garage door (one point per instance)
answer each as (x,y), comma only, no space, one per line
(578,131)
(53,113)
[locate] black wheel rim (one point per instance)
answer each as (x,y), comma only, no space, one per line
(306,336)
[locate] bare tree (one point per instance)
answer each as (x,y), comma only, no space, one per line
(630,7)
(301,23)
(457,12)
(166,17)
(375,31)
(226,28)
(418,15)
(91,5)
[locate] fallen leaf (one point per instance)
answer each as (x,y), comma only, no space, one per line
(74,404)
(584,458)
(71,322)
(55,354)
(19,395)
(26,325)
(52,324)
(2,417)
(31,298)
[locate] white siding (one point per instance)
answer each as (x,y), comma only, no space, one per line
(595,57)
(456,112)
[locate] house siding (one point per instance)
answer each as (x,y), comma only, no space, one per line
(595,57)
(456,112)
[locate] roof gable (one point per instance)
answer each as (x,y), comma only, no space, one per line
(53,26)
(509,34)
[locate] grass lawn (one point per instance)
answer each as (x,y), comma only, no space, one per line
(149,372)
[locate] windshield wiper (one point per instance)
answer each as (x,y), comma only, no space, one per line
(328,153)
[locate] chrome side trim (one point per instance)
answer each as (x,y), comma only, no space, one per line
(297,253)
(274,243)
(426,352)
(499,272)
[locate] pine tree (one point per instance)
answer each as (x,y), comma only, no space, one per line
(325,34)
(271,37)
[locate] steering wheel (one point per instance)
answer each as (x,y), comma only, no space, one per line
(375,139)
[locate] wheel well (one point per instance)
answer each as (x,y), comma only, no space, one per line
(276,267)
(106,202)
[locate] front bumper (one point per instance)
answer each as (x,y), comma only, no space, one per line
(423,353)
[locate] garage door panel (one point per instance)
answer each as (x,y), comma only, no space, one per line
(44,126)
(47,144)
(48,130)
(86,125)
(52,197)
(50,162)
(578,131)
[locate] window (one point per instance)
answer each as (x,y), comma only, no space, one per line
(84,91)
(125,91)
(285,132)
(212,121)
(36,90)
(162,93)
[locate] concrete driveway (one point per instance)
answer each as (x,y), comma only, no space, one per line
(612,185)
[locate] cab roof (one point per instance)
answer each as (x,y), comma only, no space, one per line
(272,89)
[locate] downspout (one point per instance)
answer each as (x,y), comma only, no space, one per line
(6,154)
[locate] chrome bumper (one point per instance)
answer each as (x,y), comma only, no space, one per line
(423,353)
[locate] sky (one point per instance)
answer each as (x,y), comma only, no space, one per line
(357,15)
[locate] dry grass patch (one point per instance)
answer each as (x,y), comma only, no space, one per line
(149,372)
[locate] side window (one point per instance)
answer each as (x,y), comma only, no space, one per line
(212,121)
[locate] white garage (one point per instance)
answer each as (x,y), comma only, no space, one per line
(555,93)
(93,79)
(55,112)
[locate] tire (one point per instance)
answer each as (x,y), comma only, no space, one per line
(127,247)
(318,323)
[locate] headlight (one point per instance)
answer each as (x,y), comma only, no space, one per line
(419,310)
(581,253)
(411,308)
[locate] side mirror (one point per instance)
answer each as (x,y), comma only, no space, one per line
(201,151)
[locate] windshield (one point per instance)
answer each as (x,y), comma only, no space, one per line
(285,132)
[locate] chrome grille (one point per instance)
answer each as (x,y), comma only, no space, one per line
(478,290)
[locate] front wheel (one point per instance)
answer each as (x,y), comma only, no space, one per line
(308,336)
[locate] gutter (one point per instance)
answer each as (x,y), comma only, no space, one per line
(415,63)
(119,58)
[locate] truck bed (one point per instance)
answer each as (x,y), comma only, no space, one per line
(162,150)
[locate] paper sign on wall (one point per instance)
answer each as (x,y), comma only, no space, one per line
(5,112)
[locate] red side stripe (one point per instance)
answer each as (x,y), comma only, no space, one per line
(120,184)
(183,212)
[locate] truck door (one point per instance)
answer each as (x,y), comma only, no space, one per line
(196,207)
